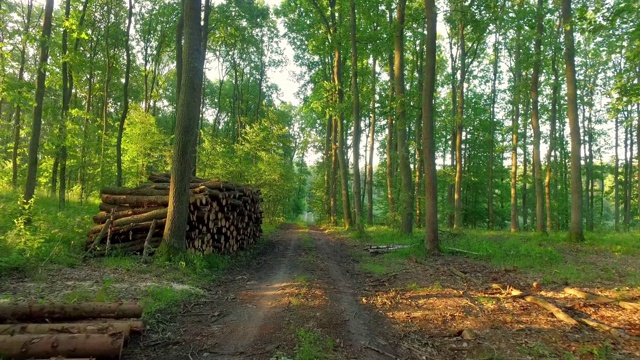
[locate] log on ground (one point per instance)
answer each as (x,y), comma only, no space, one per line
(58,311)
(125,327)
(103,346)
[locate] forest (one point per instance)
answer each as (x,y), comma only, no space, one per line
(450,170)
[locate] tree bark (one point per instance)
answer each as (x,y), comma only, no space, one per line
(17,124)
(575,231)
(186,129)
(34,312)
(457,220)
(406,193)
(535,122)
(515,227)
(428,132)
(51,346)
(390,138)
(37,110)
(371,146)
(492,135)
(125,100)
(359,221)
(552,137)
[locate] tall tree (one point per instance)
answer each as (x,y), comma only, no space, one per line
(186,128)
(36,126)
(356,119)
(457,220)
(514,129)
(575,230)
(372,133)
(406,193)
(125,94)
(17,119)
(535,119)
(428,131)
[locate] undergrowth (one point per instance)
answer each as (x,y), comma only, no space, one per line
(39,233)
(602,257)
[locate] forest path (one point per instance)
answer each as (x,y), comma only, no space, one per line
(300,297)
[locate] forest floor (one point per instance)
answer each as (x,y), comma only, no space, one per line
(306,293)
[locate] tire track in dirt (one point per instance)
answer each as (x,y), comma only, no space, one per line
(367,333)
(257,311)
(255,316)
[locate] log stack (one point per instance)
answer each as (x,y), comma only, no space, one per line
(32,330)
(223,217)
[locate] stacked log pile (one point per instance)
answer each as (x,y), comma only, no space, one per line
(223,217)
(45,337)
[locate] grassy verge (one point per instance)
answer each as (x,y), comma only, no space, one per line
(602,257)
(51,237)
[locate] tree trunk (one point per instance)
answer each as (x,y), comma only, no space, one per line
(616,179)
(371,146)
(17,124)
(552,137)
(457,221)
(390,138)
(105,96)
(575,231)
(492,135)
(406,193)
(186,128)
(125,100)
(359,222)
(535,122)
(515,227)
(428,132)
(37,110)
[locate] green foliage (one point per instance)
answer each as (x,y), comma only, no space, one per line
(37,233)
(145,147)
(265,158)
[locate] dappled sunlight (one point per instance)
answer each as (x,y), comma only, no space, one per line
(464,318)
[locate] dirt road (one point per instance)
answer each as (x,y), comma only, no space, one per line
(300,298)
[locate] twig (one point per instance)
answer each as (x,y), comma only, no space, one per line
(462,251)
(98,237)
(380,351)
(587,296)
(465,276)
(145,252)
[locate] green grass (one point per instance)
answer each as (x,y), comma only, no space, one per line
(163,299)
(388,263)
(312,345)
(602,257)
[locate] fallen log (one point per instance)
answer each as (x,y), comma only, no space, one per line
(134,226)
(125,327)
(57,311)
(137,191)
(141,200)
(105,215)
(559,314)
(103,346)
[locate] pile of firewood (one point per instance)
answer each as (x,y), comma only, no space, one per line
(223,217)
(35,330)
